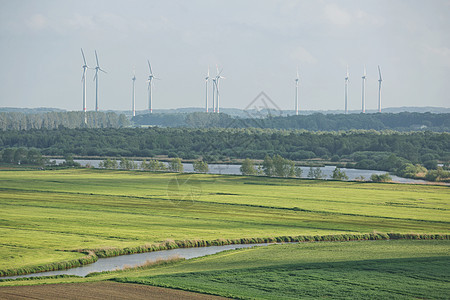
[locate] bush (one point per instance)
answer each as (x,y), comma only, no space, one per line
(381,178)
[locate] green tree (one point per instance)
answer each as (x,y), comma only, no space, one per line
(175,165)
(34,157)
(298,172)
(8,155)
(200,166)
(248,167)
(20,156)
(339,175)
(268,166)
(315,173)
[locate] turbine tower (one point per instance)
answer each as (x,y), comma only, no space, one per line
(213,94)
(346,92)
(206,89)
(363,97)
(83,80)
(296,93)
(97,68)
(379,89)
(150,85)
(217,79)
(133,103)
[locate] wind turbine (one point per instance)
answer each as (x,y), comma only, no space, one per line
(133,105)
(346,92)
(83,80)
(206,89)
(97,68)
(363,98)
(217,79)
(296,93)
(150,79)
(213,94)
(379,89)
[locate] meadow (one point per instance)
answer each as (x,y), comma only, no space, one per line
(45,215)
(374,269)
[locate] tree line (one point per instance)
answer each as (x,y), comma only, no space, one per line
(404,121)
(387,151)
(53,120)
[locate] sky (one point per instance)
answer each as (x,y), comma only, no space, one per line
(259,45)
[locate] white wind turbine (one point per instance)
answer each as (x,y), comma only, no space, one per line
(133,96)
(216,81)
(206,89)
(363,97)
(83,80)
(97,68)
(346,92)
(150,86)
(297,79)
(379,89)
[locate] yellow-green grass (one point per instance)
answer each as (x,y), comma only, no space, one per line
(44,212)
(375,269)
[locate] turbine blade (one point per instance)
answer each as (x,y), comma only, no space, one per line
(95,76)
(150,67)
(96,57)
(84,59)
(102,70)
(379,73)
(220,72)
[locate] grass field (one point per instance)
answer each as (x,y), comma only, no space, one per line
(44,212)
(374,269)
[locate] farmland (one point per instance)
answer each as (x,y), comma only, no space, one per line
(45,215)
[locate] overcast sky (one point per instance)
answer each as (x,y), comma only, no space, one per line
(259,45)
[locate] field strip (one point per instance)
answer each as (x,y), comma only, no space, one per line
(218,203)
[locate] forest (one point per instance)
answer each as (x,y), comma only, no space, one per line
(316,122)
(379,150)
(52,120)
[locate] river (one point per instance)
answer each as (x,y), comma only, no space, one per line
(119,262)
(327,171)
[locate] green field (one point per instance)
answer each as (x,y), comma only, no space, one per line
(375,269)
(45,212)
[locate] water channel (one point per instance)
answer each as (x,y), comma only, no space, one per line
(119,262)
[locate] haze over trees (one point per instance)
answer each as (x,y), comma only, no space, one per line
(404,121)
(54,120)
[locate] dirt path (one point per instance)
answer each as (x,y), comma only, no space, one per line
(97,290)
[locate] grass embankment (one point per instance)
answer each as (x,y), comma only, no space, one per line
(44,212)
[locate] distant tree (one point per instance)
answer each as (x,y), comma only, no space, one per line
(431,164)
(200,166)
(108,164)
(175,165)
(248,167)
(20,156)
(381,178)
(315,173)
(437,175)
(298,172)
(339,175)
(127,164)
(268,166)
(69,162)
(8,155)
(34,157)
(153,165)
(283,167)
